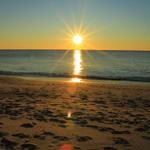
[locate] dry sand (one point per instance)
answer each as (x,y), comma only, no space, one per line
(46,115)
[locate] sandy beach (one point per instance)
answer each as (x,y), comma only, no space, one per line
(51,115)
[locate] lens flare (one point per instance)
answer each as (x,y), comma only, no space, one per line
(66,147)
(69,114)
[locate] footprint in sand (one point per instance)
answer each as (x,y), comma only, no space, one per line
(27,125)
(8,144)
(28,147)
(77,148)
(43,135)
(82,122)
(21,135)
(39,136)
(83,138)
(121,132)
(61,138)
(146,137)
(109,148)
(121,141)
(2,134)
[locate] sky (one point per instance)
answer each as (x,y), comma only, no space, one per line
(50,24)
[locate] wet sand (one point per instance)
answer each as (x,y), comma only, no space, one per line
(48,115)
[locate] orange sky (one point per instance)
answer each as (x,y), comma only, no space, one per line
(113,25)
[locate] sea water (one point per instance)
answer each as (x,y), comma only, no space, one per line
(115,65)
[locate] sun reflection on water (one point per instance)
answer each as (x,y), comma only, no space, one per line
(77,62)
(76,80)
(77,66)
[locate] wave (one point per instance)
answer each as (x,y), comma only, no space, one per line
(45,74)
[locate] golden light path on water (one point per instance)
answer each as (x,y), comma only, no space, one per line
(77,62)
(77,66)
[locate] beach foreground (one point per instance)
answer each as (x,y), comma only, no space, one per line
(49,115)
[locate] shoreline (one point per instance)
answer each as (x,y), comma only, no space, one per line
(68,79)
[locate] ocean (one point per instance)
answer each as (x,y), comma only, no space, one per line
(87,64)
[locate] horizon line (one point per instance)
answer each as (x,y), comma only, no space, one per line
(81,49)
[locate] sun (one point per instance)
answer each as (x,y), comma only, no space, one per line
(77,39)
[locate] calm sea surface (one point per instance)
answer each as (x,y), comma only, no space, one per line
(118,65)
